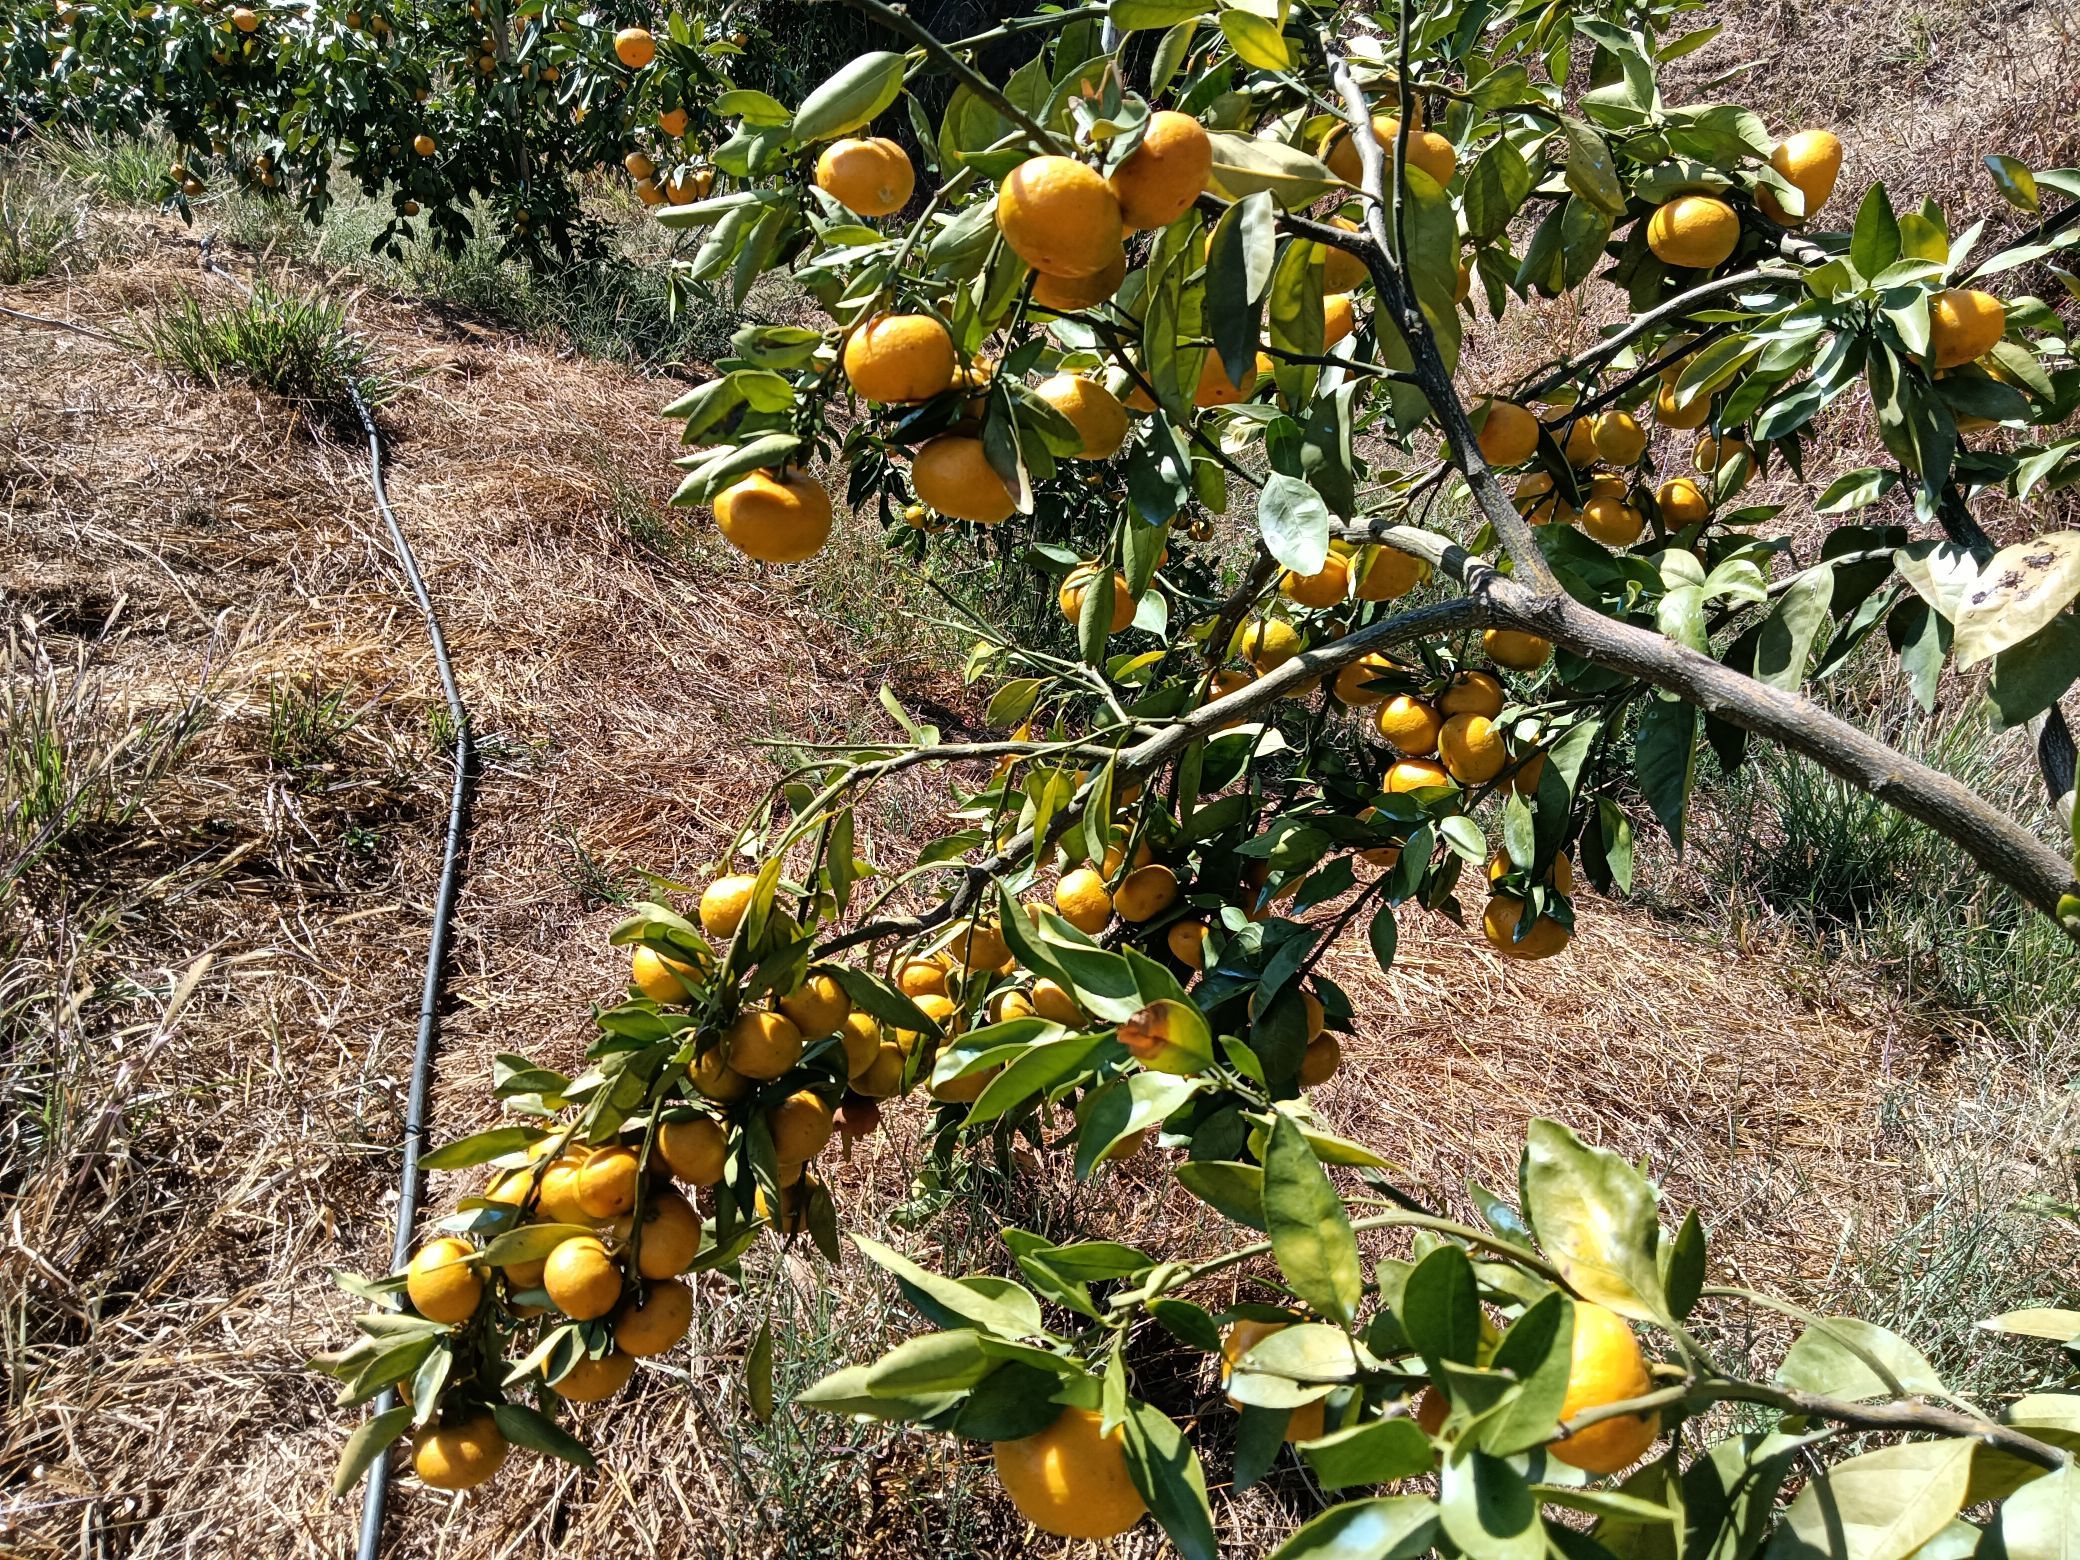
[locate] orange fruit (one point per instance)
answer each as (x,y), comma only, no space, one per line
(1387,574)
(1069,294)
(1060,216)
(1499,925)
(1693,232)
(1509,436)
(1427,150)
(656,1321)
(817,1006)
(1318,1065)
(953,475)
(1605,1366)
(1618,437)
(1410,724)
(1186,941)
(694,1150)
(1518,651)
(1326,587)
(673,122)
(1215,388)
(582,1279)
(1612,522)
(775,519)
(921,978)
(712,1077)
(1083,900)
(638,165)
(1342,271)
(978,945)
(671,1236)
(1351,685)
(441,1288)
(1071,1479)
(1095,413)
(1471,749)
(1268,643)
(458,1456)
(1964,324)
(870,178)
(1560,874)
(1471,693)
(1239,1337)
(801,1125)
(762,1045)
(1339,319)
(658,978)
(634,47)
(607,1181)
(1158,181)
(1811,160)
(1538,502)
(594,1381)
(1415,774)
(423,145)
(1146,893)
(724,902)
(899,358)
(860,1034)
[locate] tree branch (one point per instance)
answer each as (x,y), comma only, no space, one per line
(2006,851)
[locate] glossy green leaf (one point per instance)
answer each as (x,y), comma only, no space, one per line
(1310,1234)
(857,92)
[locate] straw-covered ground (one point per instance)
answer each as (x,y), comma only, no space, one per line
(213,907)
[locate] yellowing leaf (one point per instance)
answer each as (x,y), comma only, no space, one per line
(1596,1217)
(2020,590)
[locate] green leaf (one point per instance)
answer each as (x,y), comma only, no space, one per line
(1165,1469)
(1856,489)
(1389,1527)
(1231,1188)
(1239,258)
(1592,173)
(2023,587)
(1295,523)
(2018,186)
(1310,1234)
(1038,1070)
(1538,1350)
(1256,40)
(845,1392)
(1495,188)
(368,1442)
(1875,243)
(1005,1318)
(482,1147)
(1377,1452)
(1883,1505)
(2031,677)
(1146,15)
(1014,1400)
(1440,1310)
(1667,760)
(1785,643)
(1243,165)
(531,1428)
(1596,1217)
(1488,1509)
(1729,1494)
(2034,1322)
(758,1373)
(1845,1357)
(1683,1266)
(859,90)
(2040,1521)
(1382,934)
(937,1363)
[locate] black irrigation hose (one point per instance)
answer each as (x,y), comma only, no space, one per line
(443,913)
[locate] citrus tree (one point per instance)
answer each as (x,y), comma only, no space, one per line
(1355,636)
(432,105)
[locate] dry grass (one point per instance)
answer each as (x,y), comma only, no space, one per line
(181,1179)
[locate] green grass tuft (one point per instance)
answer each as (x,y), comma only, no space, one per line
(296,347)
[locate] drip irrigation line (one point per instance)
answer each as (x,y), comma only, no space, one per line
(373,1502)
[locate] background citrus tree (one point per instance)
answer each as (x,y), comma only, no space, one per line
(1205,359)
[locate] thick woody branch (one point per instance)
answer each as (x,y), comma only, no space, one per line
(2006,851)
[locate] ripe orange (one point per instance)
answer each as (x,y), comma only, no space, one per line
(1509,436)
(244,19)
(775,519)
(1268,643)
(1215,388)
(458,1456)
(1518,651)
(953,475)
(1472,693)
(817,1006)
(1100,421)
(1618,437)
(1060,216)
(441,1288)
(1342,271)
(860,1034)
(1318,1065)
(1472,749)
(899,358)
(673,122)
(1410,724)
(1538,502)
(723,903)
(638,165)
(582,1279)
(607,1181)
(1560,874)
(1606,1366)
(1612,522)
(659,978)
(801,1125)
(423,144)
(1693,232)
(1068,294)
(922,978)
(1187,943)
(690,187)
(671,1236)
(1811,160)
(634,47)
(1339,319)
(762,1045)
(871,178)
(1070,1479)
(1161,177)
(1351,685)
(1083,900)
(1326,587)
(1427,150)
(694,1149)
(558,1195)
(1964,324)
(1146,893)
(1388,573)
(1499,925)
(594,1381)
(712,1077)
(1415,774)
(656,1321)
(1053,1003)
(978,945)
